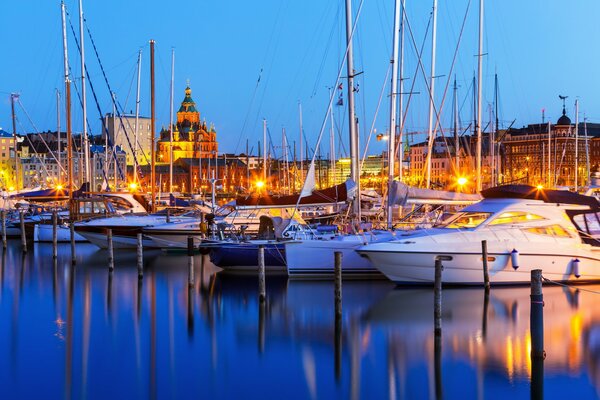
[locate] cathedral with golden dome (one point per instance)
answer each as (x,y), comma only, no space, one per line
(191,137)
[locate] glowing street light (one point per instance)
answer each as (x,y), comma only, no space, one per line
(133,186)
(260,184)
(462,181)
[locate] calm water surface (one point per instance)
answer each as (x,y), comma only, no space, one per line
(80,332)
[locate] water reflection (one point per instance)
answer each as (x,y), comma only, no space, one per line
(82,332)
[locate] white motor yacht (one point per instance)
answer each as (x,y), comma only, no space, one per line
(525,228)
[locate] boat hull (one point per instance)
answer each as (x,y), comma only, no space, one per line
(315,258)
(44,233)
(243,256)
(466,268)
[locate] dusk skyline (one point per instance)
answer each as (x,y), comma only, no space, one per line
(261,60)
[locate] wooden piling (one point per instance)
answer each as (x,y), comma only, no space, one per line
(23,236)
(337,270)
(111,256)
(484,256)
(3,216)
(437,297)
(536,316)
(190,252)
(168,218)
(72,236)
(140,255)
(536,321)
(54,234)
(262,292)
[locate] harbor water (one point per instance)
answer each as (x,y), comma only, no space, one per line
(71,332)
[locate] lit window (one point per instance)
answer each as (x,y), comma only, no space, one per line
(514,217)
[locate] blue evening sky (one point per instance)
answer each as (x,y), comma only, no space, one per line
(539,49)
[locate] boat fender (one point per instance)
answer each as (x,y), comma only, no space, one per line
(514,259)
(575,268)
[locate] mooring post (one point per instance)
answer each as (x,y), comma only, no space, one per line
(536,317)
(437,297)
(168,218)
(338,313)
(54,234)
(536,322)
(23,236)
(190,252)
(337,270)
(140,255)
(72,237)
(4,229)
(484,257)
(262,291)
(111,255)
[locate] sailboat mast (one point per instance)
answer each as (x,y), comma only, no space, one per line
(85,141)
(13,97)
(264,151)
(456,142)
(479,87)
(549,155)
(67,106)
(332,169)
(137,116)
(496,160)
(587,153)
(576,145)
(58,135)
(393,94)
(152,125)
(430,132)
(171,125)
(301,140)
(400,91)
(355,173)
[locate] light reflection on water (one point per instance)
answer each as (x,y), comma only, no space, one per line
(80,332)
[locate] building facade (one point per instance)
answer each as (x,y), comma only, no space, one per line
(122,133)
(191,136)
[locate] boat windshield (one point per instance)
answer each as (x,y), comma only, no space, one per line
(463,220)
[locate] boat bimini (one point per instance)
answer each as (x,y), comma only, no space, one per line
(525,228)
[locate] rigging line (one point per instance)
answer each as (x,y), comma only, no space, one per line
(387,74)
(105,129)
(114,102)
(37,155)
(569,286)
(249,109)
(331,97)
(38,132)
(420,66)
(438,120)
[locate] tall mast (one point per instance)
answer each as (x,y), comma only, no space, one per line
(456,142)
(430,132)
(549,155)
(264,151)
(355,173)
(587,153)
(58,135)
(152,125)
(13,98)
(479,85)
(400,91)
(137,116)
(301,140)
(114,144)
(86,142)
(247,167)
(393,94)
(171,125)
(496,160)
(67,106)
(332,169)
(576,144)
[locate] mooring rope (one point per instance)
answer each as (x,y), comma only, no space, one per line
(569,286)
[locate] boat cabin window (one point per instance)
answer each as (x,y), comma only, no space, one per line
(514,217)
(588,223)
(550,230)
(469,219)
